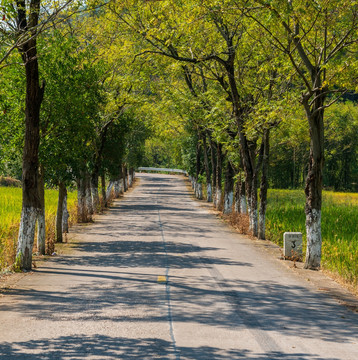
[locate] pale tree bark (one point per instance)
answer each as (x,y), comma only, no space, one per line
(89,204)
(240,197)
(59,215)
(121,179)
(41,223)
(237,197)
(218,190)
(117,188)
(82,214)
(199,191)
(241,193)
(65,214)
(213,167)
(31,204)
(131,176)
(94,192)
(198,186)
(110,190)
(229,189)
(209,196)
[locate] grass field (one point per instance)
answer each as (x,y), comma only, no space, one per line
(285,212)
(10,213)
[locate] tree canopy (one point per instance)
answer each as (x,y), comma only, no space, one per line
(245,94)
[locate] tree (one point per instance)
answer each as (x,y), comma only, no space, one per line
(319,41)
(27,22)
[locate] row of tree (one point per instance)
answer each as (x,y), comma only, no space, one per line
(229,83)
(64,79)
(240,71)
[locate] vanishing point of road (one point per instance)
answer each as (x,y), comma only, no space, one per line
(160,277)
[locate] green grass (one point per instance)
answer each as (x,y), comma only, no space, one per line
(10,213)
(285,212)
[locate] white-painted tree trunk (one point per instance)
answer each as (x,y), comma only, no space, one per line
(65,215)
(209,197)
(41,233)
(89,203)
(314,239)
(237,207)
(254,222)
(95,197)
(218,197)
(250,216)
(130,180)
(125,184)
(117,189)
(26,237)
(109,190)
(228,202)
(243,206)
(199,191)
(214,198)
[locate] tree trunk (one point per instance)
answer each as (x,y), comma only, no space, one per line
(264,186)
(313,188)
(81,201)
(213,166)
(125,179)
(209,197)
(117,188)
(121,180)
(59,215)
(89,204)
(94,192)
(218,191)
(131,176)
(41,223)
(198,194)
(253,204)
(65,214)
(199,191)
(109,191)
(31,204)
(237,197)
(229,189)
(243,205)
(103,190)
(240,197)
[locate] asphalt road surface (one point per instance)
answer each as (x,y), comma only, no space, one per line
(160,277)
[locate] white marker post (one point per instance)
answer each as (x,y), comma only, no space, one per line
(292,245)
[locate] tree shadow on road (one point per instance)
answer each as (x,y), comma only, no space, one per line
(119,274)
(106,347)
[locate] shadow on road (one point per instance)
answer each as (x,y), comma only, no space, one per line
(265,305)
(104,347)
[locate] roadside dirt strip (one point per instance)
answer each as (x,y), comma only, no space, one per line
(160,277)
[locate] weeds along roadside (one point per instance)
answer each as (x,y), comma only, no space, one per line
(10,213)
(286,213)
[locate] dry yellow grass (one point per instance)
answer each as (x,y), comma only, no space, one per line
(10,213)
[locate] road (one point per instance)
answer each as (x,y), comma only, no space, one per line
(160,277)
